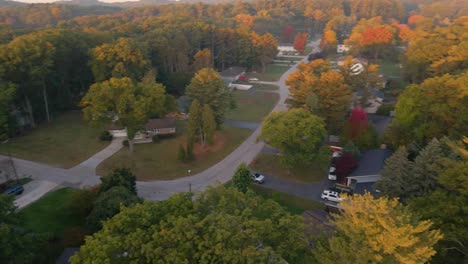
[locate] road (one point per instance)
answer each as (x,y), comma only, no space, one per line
(84,174)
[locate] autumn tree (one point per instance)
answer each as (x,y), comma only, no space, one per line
(202,59)
(242,178)
(329,40)
(437,107)
(387,9)
(297,133)
(378,231)
(300,42)
(121,59)
(316,79)
(288,34)
(222,225)
(208,124)
(194,121)
(266,48)
(124,101)
(208,88)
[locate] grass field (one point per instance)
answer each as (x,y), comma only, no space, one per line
(272,73)
(262,86)
(252,106)
(295,59)
(159,161)
(51,213)
(270,164)
(294,204)
(390,69)
(65,142)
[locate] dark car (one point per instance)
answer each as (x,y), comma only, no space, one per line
(14,190)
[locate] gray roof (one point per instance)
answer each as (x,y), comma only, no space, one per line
(232,71)
(380,123)
(371,162)
(363,187)
(160,123)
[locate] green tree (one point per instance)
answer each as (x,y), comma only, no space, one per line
(208,124)
(377,231)
(324,157)
(222,225)
(242,178)
(109,204)
(194,122)
(82,202)
(7,94)
(119,177)
(395,175)
(208,88)
(121,59)
(297,133)
(181,154)
(122,100)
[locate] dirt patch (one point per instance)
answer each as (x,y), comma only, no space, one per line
(219,141)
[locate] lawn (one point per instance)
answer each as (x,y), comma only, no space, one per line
(390,69)
(262,86)
(51,213)
(270,164)
(252,106)
(294,204)
(272,73)
(158,161)
(289,59)
(64,142)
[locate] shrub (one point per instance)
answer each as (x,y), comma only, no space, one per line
(181,155)
(125,143)
(82,202)
(74,236)
(119,177)
(106,136)
(385,109)
(155,138)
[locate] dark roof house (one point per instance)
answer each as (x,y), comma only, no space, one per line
(231,74)
(160,123)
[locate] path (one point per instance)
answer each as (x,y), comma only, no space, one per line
(307,190)
(84,174)
(33,191)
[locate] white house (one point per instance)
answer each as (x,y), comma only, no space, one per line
(286,50)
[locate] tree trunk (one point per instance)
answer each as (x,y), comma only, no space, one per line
(46,103)
(130,145)
(30,111)
(263,66)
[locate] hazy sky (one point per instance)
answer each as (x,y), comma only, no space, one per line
(50,1)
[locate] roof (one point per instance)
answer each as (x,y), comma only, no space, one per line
(66,255)
(363,187)
(159,123)
(372,162)
(232,72)
(115,126)
(380,123)
(375,92)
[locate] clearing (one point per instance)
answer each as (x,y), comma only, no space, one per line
(64,142)
(272,73)
(252,105)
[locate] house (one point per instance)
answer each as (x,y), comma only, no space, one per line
(232,74)
(157,126)
(286,50)
(374,100)
(368,171)
(341,48)
(380,123)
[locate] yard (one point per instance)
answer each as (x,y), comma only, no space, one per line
(65,142)
(252,105)
(390,69)
(270,164)
(158,161)
(272,73)
(294,204)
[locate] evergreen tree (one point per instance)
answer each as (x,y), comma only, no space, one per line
(194,122)
(208,124)
(397,171)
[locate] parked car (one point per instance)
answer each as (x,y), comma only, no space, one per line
(337,154)
(332,174)
(258,178)
(329,195)
(253,79)
(341,188)
(14,190)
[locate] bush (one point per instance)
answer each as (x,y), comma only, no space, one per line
(155,138)
(119,177)
(125,143)
(82,202)
(106,136)
(385,109)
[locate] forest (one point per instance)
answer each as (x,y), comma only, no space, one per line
(55,58)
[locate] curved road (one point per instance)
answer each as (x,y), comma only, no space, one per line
(84,174)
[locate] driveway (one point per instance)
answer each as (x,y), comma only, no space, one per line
(33,191)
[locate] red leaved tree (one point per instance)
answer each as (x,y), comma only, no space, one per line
(288,34)
(300,42)
(357,122)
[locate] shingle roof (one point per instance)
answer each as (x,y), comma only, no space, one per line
(160,123)
(372,162)
(232,71)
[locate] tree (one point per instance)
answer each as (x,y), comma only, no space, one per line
(109,204)
(194,121)
(388,9)
(202,59)
(222,225)
(329,40)
(297,133)
(266,48)
(317,79)
(82,202)
(7,94)
(122,59)
(300,42)
(345,164)
(288,34)
(119,177)
(396,172)
(242,178)
(437,107)
(208,124)
(208,88)
(181,154)
(124,101)
(378,231)
(357,122)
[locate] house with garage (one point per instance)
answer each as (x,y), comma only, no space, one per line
(232,74)
(153,127)
(370,166)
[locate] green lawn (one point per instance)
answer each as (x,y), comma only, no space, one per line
(270,164)
(51,213)
(158,161)
(252,106)
(390,69)
(262,86)
(295,59)
(272,73)
(65,142)
(294,204)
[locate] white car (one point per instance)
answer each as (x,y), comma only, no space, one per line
(332,174)
(337,154)
(258,178)
(253,79)
(328,195)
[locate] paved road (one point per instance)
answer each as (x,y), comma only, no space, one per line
(33,191)
(84,174)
